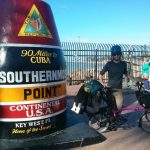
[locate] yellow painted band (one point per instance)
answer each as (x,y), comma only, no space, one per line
(31,93)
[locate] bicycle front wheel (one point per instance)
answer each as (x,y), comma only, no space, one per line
(145,122)
(99,124)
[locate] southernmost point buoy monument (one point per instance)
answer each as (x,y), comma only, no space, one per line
(33,81)
(32,71)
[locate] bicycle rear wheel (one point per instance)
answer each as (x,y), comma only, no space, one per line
(145,122)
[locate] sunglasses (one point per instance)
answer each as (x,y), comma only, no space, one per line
(116,54)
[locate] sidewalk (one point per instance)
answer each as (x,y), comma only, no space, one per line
(128,137)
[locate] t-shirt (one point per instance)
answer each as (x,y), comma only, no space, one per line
(115,73)
(145,68)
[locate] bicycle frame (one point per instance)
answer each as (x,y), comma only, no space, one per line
(137,108)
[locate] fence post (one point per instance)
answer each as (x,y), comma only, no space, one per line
(95,68)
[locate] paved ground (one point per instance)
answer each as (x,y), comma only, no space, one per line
(128,137)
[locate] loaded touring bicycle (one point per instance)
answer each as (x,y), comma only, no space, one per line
(100,106)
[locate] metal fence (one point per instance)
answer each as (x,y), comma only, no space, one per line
(85,60)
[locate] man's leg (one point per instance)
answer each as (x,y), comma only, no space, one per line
(146,84)
(119,101)
(118,97)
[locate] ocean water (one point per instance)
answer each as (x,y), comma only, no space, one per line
(77,66)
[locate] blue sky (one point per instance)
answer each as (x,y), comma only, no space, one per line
(102,21)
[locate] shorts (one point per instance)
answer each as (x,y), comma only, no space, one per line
(117,93)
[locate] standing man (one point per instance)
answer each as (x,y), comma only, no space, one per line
(116,68)
(145,73)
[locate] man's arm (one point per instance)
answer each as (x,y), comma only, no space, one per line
(102,72)
(127,71)
(101,80)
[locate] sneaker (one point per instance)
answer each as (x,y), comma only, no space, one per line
(121,119)
(113,127)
